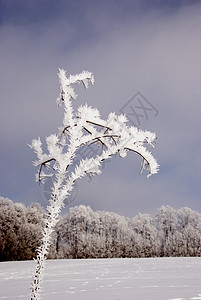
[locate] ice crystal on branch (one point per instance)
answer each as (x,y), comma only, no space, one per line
(81,128)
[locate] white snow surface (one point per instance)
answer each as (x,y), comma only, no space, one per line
(106,279)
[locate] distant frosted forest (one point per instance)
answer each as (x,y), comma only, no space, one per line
(84,233)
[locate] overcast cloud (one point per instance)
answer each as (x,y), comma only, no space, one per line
(151,47)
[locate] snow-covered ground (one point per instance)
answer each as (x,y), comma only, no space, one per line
(106,279)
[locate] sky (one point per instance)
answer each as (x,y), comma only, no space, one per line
(141,53)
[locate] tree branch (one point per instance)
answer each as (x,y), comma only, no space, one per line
(43,165)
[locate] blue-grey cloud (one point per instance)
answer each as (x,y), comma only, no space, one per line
(130,46)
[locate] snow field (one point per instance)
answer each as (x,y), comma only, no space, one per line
(107,279)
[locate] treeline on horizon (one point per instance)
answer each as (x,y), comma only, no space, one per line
(83,233)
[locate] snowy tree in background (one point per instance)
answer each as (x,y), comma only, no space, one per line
(143,225)
(20,230)
(85,127)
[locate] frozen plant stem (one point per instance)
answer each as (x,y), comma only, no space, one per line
(78,129)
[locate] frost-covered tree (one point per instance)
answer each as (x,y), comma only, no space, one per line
(34,225)
(189,227)
(166,219)
(83,127)
(8,236)
(20,230)
(143,225)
